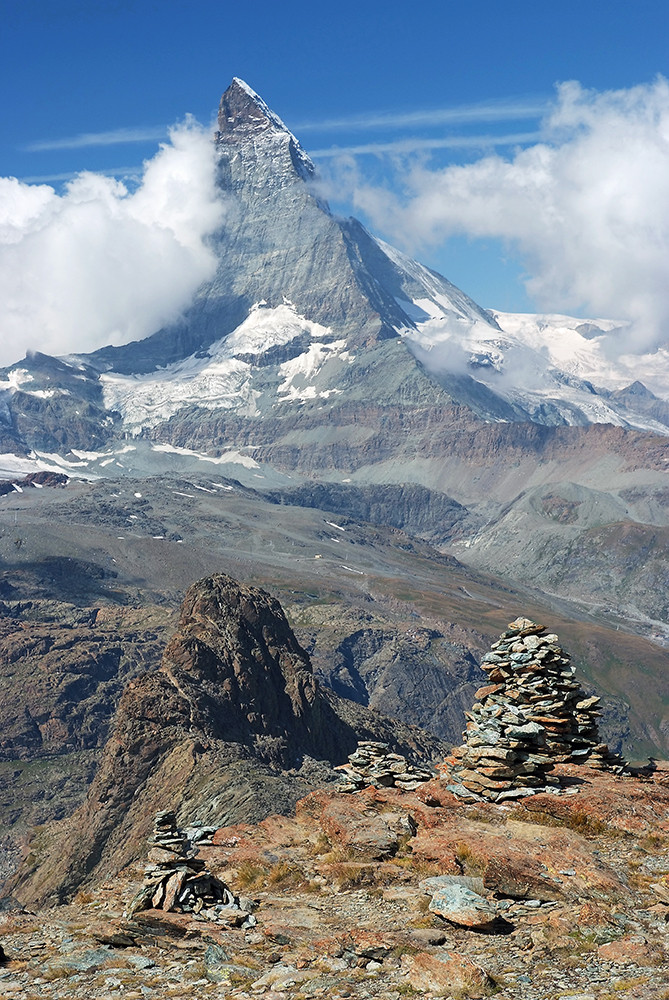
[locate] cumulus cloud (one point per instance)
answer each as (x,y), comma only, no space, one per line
(100,264)
(587,208)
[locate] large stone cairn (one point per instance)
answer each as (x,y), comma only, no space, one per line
(530,715)
(372,763)
(175,879)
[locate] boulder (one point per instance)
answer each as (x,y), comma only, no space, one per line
(464,907)
(444,972)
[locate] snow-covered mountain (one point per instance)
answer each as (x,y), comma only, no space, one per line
(306,309)
(338,423)
(318,353)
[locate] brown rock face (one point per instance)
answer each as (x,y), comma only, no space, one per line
(520,877)
(444,972)
(236,662)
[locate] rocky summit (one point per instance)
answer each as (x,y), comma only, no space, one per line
(531,715)
(387,876)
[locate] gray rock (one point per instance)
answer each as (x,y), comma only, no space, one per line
(464,907)
(435,882)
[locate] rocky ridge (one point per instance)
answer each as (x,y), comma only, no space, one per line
(384,893)
(381,892)
(76,625)
(531,715)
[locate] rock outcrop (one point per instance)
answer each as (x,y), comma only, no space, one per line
(531,715)
(232,726)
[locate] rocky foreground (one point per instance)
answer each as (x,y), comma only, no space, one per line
(387,893)
(534,866)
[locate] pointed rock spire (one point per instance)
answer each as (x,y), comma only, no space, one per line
(241,108)
(244,118)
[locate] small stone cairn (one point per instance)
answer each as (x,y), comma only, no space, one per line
(530,715)
(372,763)
(176,880)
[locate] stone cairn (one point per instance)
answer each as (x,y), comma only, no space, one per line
(372,763)
(175,879)
(530,715)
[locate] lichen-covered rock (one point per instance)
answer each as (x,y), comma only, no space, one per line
(464,907)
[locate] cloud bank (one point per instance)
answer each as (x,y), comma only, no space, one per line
(102,265)
(587,208)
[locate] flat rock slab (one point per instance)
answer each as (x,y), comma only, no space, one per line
(464,907)
(367,835)
(88,960)
(436,882)
(520,878)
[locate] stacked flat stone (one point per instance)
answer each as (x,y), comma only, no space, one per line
(372,763)
(531,715)
(200,835)
(175,879)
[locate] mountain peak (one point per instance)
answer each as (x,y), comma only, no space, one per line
(243,115)
(242,109)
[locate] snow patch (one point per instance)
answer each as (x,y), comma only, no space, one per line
(229,457)
(87,456)
(221,379)
(307,366)
(18,379)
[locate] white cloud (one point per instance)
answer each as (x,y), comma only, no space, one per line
(102,265)
(587,208)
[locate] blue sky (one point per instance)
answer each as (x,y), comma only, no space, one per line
(409,92)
